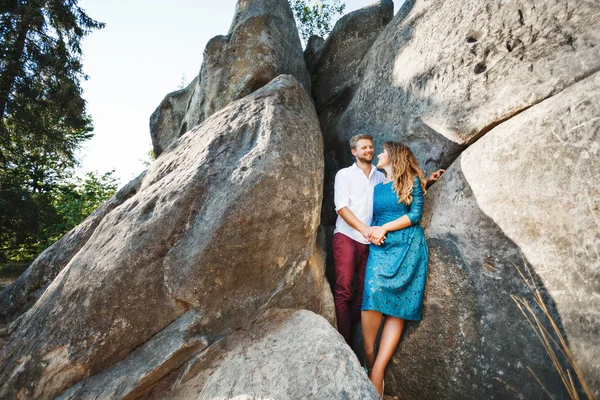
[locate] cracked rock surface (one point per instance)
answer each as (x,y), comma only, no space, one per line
(441,74)
(202,235)
(262,43)
(527,193)
(284,355)
(504,94)
(185,284)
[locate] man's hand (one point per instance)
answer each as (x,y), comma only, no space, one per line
(367,233)
(378,235)
(435,176)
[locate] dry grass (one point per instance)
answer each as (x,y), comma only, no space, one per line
(551,341)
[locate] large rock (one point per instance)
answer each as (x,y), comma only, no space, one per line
(221,228)
(314,43)
(439,77)
(16,298)
(526,195)
(262,43)
(165,121)
(441,74)
(335,66)
(282,355)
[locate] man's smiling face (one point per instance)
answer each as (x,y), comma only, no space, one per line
(364,151)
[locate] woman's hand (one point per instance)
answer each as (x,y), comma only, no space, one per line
(378,235)
(433,178)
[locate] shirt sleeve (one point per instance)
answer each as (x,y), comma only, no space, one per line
(341,196)
(416,207)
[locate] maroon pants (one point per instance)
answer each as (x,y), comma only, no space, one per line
(350,258)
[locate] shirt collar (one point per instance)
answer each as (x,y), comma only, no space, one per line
(373,168)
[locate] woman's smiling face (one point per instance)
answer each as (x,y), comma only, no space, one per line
(383,159)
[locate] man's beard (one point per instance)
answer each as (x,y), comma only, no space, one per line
(365,160)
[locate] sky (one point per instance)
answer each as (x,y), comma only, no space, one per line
(147,49)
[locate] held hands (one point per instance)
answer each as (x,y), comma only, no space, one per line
(367,232)
(375,235)
(378,235)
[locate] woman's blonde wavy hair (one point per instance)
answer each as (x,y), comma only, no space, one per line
(404,168)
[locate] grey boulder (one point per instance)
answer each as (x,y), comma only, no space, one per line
(262,43)
(523,195)
(441,74)
(231,208)
(335,66)
(284,354)
(16,298)
(165,121)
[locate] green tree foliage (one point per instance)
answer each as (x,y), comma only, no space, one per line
(43,119)
(77,198)
(314,17)
(40,73)
(35,220)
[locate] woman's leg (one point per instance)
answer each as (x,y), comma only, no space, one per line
(390,336)
(370,321)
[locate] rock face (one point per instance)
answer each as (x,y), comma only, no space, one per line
(314,43)
(165,121)
(442,74)
(16,298)
(283,355)
(511,86)
(185,284)
(286,356)
(335,67)
(528,192)
(262,43)
(198,251)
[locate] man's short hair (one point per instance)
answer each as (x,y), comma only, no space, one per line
(354,139)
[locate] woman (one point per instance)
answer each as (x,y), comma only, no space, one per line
(397,266)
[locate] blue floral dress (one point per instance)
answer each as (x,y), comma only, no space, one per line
(397,270)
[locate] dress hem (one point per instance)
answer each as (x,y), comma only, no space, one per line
(395,316)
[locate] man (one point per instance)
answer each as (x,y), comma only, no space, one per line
(353,197)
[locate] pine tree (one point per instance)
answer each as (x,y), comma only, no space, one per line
(40,73)
(43,119)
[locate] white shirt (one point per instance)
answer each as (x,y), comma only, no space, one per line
(354,190)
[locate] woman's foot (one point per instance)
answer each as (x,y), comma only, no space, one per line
(376,378)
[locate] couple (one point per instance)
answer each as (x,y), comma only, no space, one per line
(378,230)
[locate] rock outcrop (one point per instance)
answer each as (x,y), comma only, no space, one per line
(197,252)
(513,86)
(527,192)
(335,67)
(283,355)
(441,74)
(314,43)
(262,43)
(165,121)
(188,282)
(16,298)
